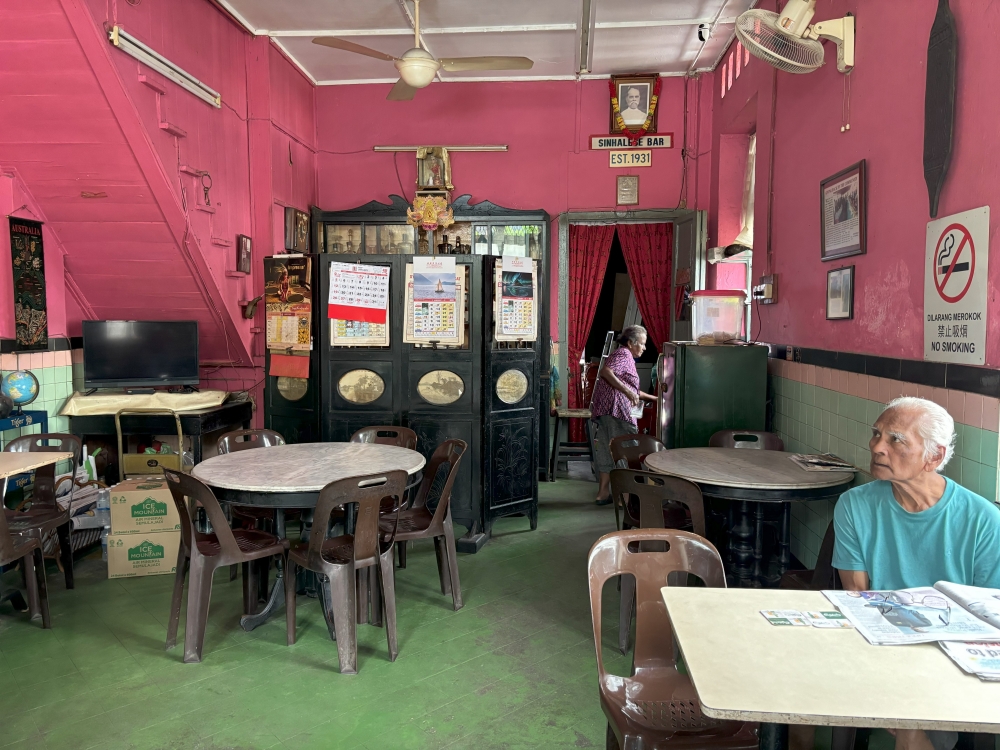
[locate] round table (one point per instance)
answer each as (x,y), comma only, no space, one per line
(291,476)
(751,476)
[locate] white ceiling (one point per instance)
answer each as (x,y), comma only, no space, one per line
(627,36)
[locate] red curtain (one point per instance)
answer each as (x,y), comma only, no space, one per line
(589,248)
(648,251)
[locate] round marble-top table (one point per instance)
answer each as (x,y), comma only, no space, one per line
(746,475)
(291,476)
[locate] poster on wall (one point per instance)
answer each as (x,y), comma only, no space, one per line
(843,219)
(955,290)
(288,303)
(31,328)
(515,310)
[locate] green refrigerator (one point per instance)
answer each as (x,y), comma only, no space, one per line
(704,389)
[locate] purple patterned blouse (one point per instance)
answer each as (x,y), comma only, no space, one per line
(608,400)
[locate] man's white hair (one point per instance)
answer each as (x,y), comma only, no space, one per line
(934,425)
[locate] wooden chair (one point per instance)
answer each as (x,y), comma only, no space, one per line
(403,437)
(661,501)
(419,522)
(766,441)
(657,706)
(28,550)
(207,553)
(45,514)
(338,559)
(629,451)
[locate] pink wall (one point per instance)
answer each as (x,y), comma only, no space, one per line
(545,124)
(887,99)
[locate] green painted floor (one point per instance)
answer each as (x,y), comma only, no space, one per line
(514,668)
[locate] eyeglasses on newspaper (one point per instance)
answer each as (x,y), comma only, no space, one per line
(886,603)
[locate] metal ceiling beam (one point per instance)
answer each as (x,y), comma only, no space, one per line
(522,28)
(588,18)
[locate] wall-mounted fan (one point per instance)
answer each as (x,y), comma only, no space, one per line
(789,43)
(417,67)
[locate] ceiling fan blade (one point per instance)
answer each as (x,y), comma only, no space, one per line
(451,64)
(332,41)
(401,92)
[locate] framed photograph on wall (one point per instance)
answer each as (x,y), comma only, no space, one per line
(243,253)
(843,222)
(634,93)
(840,293)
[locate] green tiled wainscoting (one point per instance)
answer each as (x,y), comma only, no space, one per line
(818,417)
(54,371)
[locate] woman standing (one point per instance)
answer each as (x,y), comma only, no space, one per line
(615,395)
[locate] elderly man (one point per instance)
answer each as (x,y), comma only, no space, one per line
(913,527)
(633,114)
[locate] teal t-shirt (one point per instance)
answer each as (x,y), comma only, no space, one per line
(956,540)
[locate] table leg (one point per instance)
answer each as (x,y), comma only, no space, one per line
(276,598)
(773,737)
(785,555)
(758,546)
(740,549)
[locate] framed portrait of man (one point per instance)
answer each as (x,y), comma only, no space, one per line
(634,94)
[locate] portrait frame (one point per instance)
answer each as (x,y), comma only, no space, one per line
(843,203)
(840,293)
(646,85)
(243,253)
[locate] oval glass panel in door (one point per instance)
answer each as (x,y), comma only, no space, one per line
(361,386)
(292,389)
(512,385)
(441,387)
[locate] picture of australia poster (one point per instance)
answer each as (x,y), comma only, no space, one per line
(28,261)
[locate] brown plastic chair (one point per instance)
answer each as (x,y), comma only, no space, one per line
(338,559)
(419,522)
(657,706)
(766,441)
(663,502)
(27,549)
(403,437)
(823,577)
(241,440)
(207,553)
(45,515)
(633,449)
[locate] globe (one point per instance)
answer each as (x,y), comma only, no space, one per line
(21,386)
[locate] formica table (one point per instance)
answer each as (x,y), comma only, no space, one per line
(745,476)
(291,476)
(12,464)
(746,669)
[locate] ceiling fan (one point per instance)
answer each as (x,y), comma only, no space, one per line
(417,67)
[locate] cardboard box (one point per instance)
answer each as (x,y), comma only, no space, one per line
(134,555)
(143,505)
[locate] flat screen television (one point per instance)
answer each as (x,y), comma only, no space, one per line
(139,353)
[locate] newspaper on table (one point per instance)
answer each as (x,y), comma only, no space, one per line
(980,659)
(946,612)
(821,462)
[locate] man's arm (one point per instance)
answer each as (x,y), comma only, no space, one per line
(854,580)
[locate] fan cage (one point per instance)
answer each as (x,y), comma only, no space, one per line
(757,31)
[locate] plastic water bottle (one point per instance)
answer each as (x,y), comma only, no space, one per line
(104,544)
(104,507)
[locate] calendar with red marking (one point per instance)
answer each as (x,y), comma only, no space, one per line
(359,292)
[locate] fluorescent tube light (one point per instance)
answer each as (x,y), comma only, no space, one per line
(133,47)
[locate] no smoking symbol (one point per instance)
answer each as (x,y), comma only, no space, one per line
(954,263)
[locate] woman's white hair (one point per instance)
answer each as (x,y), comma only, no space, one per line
(934,425)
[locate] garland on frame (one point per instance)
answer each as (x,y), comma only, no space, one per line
(634,137)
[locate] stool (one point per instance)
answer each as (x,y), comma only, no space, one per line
(570,451)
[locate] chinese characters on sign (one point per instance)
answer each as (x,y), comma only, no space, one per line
(955,294)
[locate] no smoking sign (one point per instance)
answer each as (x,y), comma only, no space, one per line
(955,287)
